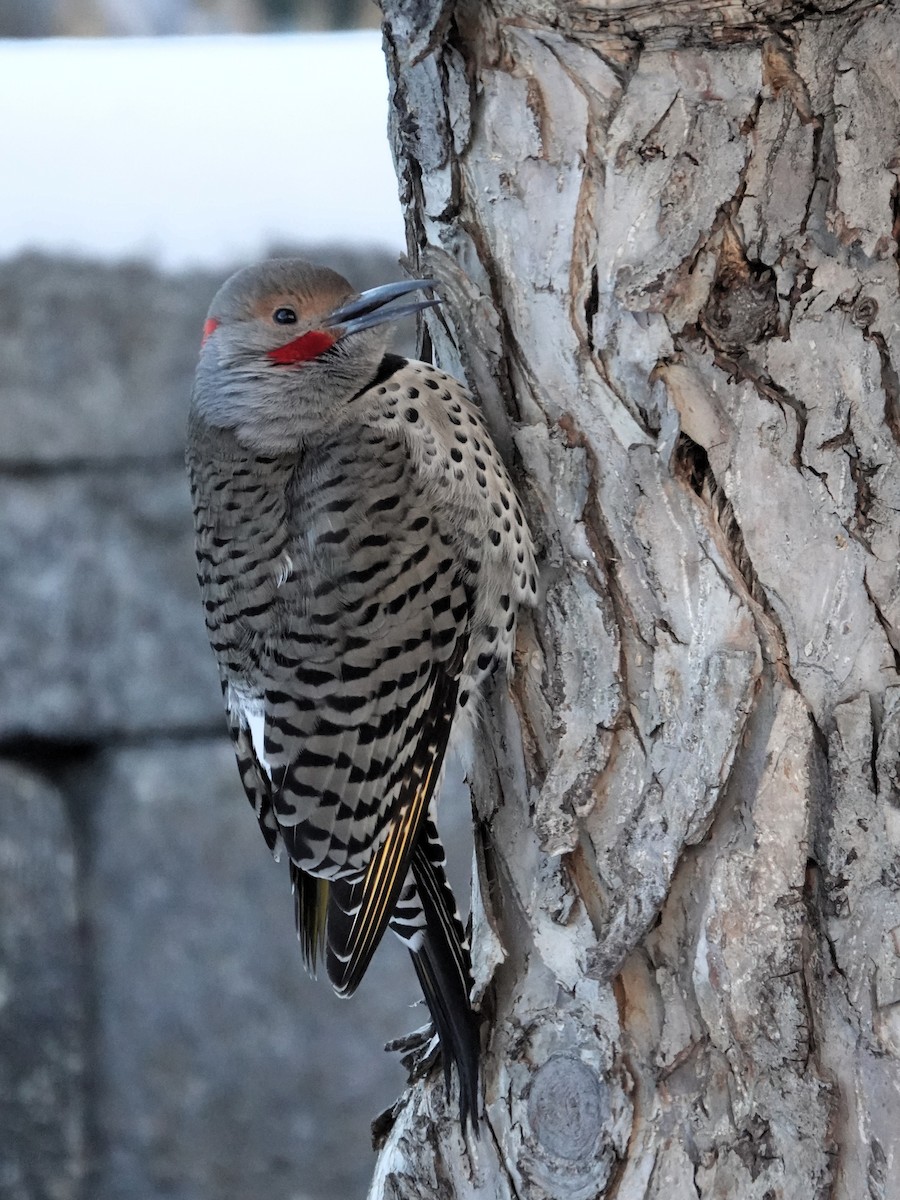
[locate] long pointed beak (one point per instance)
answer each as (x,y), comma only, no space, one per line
(368,308)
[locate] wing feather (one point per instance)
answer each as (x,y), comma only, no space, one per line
(359,912)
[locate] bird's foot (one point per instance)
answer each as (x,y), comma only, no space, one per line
(419,1051)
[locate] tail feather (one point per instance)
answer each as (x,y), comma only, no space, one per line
(427,922)
(444,969)
(310,911)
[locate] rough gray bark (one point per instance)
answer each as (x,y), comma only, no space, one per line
(668,235)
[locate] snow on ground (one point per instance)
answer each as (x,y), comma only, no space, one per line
(194,151)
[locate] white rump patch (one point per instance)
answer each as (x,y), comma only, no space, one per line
(251,713)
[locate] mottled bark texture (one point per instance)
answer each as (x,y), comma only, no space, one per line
(668,239)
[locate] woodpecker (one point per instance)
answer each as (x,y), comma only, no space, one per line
(362,558)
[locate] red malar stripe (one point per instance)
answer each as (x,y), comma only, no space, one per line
(302,349)
(210,325)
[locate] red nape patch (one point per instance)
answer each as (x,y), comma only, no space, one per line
(304,348)
(210,325)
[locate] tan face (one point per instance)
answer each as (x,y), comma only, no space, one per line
(304,308)
(286,322)
(298,323)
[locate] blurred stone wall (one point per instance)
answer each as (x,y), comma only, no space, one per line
(158,1037)
(153,18)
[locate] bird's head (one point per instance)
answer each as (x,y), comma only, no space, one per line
(286,346)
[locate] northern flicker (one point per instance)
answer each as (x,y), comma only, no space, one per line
(362,556)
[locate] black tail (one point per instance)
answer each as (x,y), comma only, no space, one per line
(427,922)
(444,969)
(310,908)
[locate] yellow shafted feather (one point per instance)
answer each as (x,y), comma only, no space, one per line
(384,878)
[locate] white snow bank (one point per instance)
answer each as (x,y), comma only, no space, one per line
(194,151)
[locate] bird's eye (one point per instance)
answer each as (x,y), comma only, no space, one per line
(284,316)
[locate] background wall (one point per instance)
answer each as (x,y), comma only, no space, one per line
(158,1037)
(92,18)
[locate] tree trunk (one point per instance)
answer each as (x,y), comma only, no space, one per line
(667,236)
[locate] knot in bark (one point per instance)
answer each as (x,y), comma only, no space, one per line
(567,1106)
